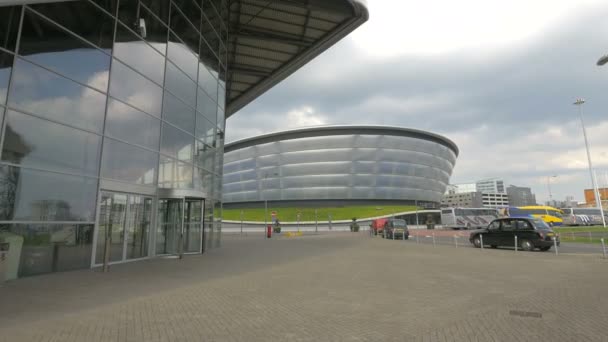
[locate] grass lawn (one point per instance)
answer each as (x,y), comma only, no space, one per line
(593,229)
(579,234)
(308,214)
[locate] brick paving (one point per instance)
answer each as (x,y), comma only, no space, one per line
(330,287)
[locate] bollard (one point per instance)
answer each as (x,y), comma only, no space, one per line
(417,239)
(481,240)
(515,243)
(603,247)
(590,239)
(403,235)
(555,245)
(456,241)
(393,235)
(433,239)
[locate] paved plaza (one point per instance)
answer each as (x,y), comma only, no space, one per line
(327,287)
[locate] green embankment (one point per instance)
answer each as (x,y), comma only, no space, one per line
(593,229)
(308,214)
(580,234)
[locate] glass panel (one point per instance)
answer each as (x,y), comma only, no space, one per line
(192,11)
(111,231)
(174,174)
(138,226)
(9,25)
(183,57)
(39,143)
(144,23)
(53,247)
(136,53)
(180,85)
(211,37)
(45,196)
(129,124)
(128,163)
(206,106)
(46,94)
(207,82)
(221,97)
(178,113)
(63,53)
(176,143)
(205,130)
(187,31)
(135,89)
(6,65)
(193,223)
(93,24)
(170,216)
(220,118)
(205,156)
(159,8)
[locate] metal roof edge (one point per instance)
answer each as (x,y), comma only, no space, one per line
(298,132)
(361,15)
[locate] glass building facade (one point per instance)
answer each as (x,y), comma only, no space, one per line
(112,130)
(339,163)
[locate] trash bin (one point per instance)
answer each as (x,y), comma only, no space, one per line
(4,247)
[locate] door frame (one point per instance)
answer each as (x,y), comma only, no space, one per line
(127,211)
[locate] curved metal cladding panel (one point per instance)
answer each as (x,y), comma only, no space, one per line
(364,163)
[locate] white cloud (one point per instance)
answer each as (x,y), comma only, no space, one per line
(437,27)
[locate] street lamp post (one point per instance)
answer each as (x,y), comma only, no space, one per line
(579,103)
(549,186)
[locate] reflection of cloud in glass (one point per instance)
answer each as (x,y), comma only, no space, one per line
(135,89)
(46,94)
(129,124)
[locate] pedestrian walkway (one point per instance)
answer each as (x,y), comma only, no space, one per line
(330,287)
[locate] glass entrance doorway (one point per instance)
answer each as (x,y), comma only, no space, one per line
(124,227)
(180,226)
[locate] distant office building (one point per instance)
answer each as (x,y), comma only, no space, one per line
(494,200)
(520,196)
(463,200)
(464,188)
(451,189)
(491,185)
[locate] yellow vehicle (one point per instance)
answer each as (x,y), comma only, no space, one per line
(550,215)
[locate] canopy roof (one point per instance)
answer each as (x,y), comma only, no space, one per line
(269,40)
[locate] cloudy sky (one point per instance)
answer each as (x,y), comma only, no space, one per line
(497,77)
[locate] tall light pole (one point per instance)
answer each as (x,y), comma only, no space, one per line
(579,103)
(549,186)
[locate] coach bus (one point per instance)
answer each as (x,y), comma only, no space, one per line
(467,218)
(550,215)
(582,216)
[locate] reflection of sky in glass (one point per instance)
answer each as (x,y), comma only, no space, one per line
(128,163)
(136,90)
(139,55)
(43,93)
(50,145)
(129,124)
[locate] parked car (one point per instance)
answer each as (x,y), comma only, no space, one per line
(395,228)
(377,225)
(531,233)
